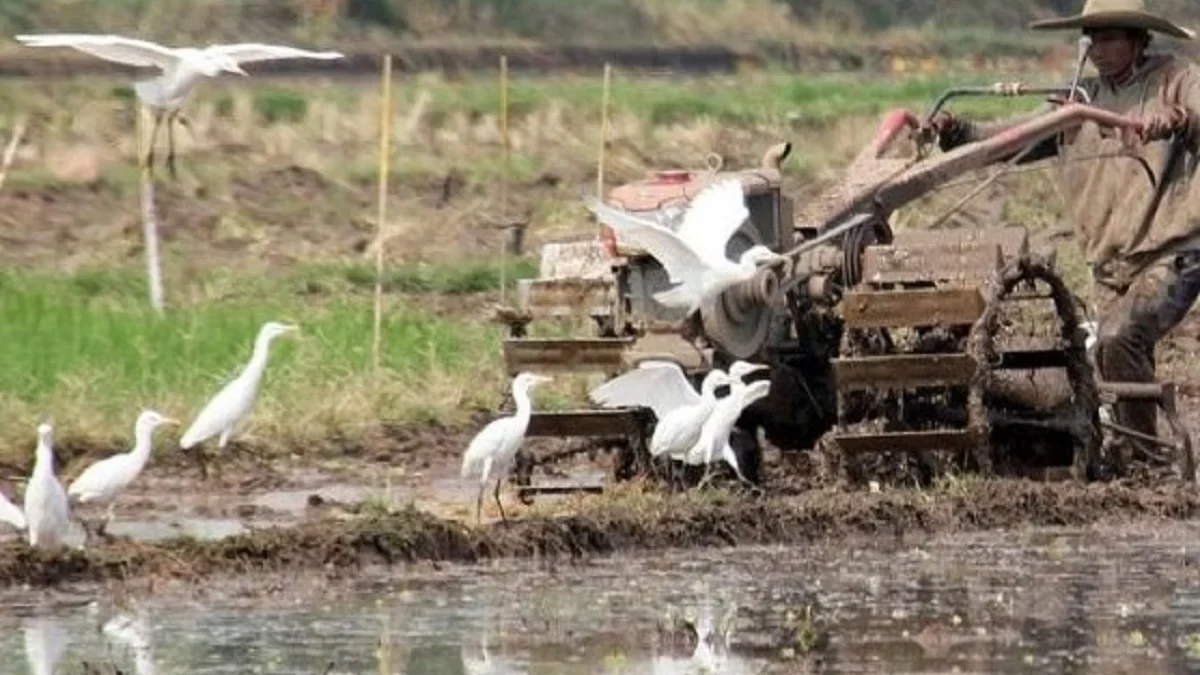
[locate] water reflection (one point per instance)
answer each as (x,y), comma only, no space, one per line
(45,642)
(1055,602)
(132,631)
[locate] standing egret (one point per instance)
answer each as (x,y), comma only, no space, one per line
(101,482)
(182,68)
(714,438)
(234,401)
(492,451)
(11,513)
(46,508)
(694,255)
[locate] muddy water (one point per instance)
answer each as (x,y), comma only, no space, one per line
(1056,601)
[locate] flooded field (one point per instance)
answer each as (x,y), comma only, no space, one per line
(1110,600)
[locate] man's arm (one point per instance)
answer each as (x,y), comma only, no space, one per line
(957,131)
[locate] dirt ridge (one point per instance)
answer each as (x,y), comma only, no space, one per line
(340,546)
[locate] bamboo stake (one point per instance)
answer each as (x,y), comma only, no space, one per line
(385,127)
(504,176)
(10,152)
(149,219)
(604,102)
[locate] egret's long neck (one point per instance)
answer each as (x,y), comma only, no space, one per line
(143,440)
(44,459)
(258,358)
(524,405)
(708,386)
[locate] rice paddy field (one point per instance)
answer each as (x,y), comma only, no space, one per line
(337,536)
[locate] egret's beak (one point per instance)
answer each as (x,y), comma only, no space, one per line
(171,421)
(235,68)
(757,366)
(544,378)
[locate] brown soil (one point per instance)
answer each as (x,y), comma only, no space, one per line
(274,218)
(340,546)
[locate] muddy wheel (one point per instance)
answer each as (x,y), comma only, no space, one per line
(1080,415)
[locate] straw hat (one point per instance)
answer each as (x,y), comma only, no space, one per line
(1116,14)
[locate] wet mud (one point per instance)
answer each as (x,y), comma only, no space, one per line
(339,544)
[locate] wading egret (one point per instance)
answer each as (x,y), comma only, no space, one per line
(182,68)
(235,400)
(101,482)
(11,513)
(46,509)
(714,438)
(492,451)
(694,255)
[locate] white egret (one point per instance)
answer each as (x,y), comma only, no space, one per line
(714,438)
(101,482)
(492,451)
(694,255)
(46,508)
(663,387)
(11,513)
(223,412)
(680,411)
(182,68)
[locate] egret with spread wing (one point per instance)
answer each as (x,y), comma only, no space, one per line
(234,401)
(46,509)
(101,482)
(663,387)
(714,438)
(492,451)
(11,513)
(182,68)
(694,255)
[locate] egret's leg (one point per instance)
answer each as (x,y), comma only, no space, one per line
(500,506)
(479,502)
(171,116)
(149,160)
(107,519)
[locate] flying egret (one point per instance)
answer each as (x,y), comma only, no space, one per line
(694,255)
(11,513)
(492,451)
(101,482)
(182,68)
(46,508)
(233,402)
(714,438)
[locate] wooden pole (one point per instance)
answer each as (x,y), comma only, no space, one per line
(604,103)
(10,151)
(149,218)
(385,128)
(504,176)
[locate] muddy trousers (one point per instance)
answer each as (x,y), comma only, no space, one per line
(1132,320)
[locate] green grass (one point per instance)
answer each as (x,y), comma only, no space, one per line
(88,351)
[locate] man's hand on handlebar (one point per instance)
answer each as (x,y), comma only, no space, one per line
(1161,123)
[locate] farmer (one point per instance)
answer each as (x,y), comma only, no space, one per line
(1141,241)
